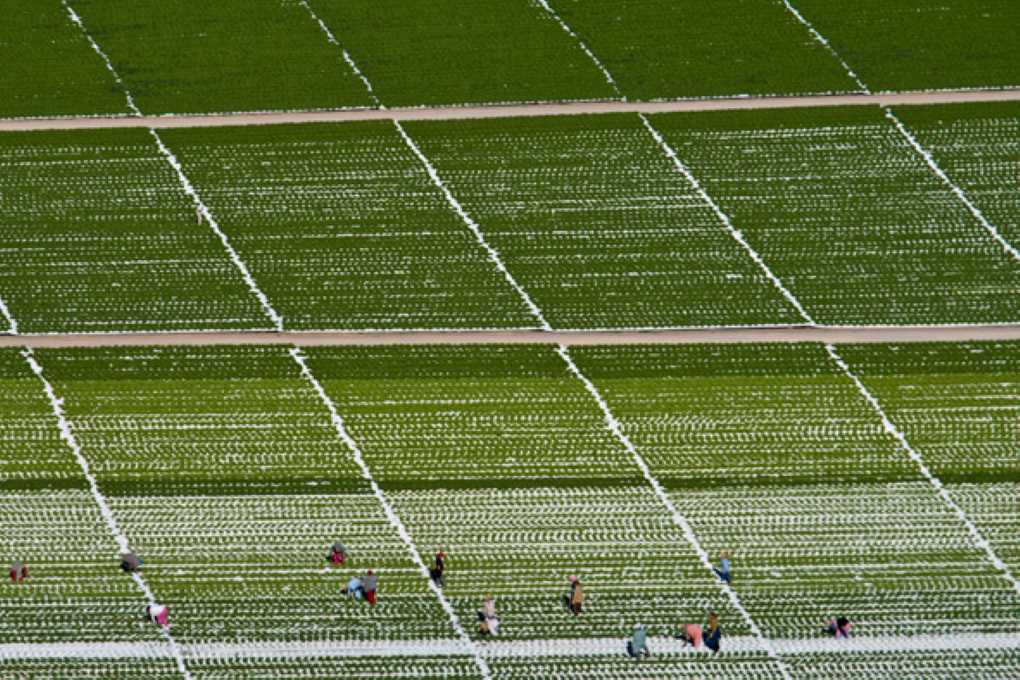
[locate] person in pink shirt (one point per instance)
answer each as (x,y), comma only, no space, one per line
(158,614)
(690,633)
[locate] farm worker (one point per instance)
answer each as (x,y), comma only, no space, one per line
(838,628)
(198,213)
(19,572)
(158,614)
(370,585)
(338,553)
(436,572)
(129,561)
(690,633)
(575,600)
(637,646)
(488,622)
(723,572)
(354,588)
(713,633)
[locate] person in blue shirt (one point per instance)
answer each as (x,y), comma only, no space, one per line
(637,646)
(723,571)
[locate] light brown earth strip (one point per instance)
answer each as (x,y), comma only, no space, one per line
(510,110)
(678,337)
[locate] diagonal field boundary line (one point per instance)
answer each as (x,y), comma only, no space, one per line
(688,175)
(737,235)
(979,541)
(57,406)
(467,643)
(12,324)
(905,132)
(544,4)
(186,185)
(348,59)
(611,421)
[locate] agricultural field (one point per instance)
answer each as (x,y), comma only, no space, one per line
(918,45)
(342,228)
(597,225)
(848,216)
(230,55)
(978,147)
(224,471)
(676,49)
(445,52)
(99,236)
(182,57)
(49,67)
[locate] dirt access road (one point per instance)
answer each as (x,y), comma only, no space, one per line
(510,110)
(836,335)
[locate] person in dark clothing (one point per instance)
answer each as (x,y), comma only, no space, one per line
(838,627)
(129,562)
(575,598)
(438,567)
(713,633)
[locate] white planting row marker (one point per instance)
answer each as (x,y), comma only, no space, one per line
(737,235)
(57,405)
(544,4)
(343,51)
(911,139)
(76,20)
(979,541)
(467,643)
(827,45)
(189,189)
(678,518)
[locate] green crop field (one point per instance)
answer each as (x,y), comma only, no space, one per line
(978,146)
(182,57)
(918,45)
(849,216)
(671,49)
(49,67)
(341,226)
(223,470)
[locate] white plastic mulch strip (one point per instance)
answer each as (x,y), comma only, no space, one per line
(465,645)
(914,143)
(980,541)
(566,647)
